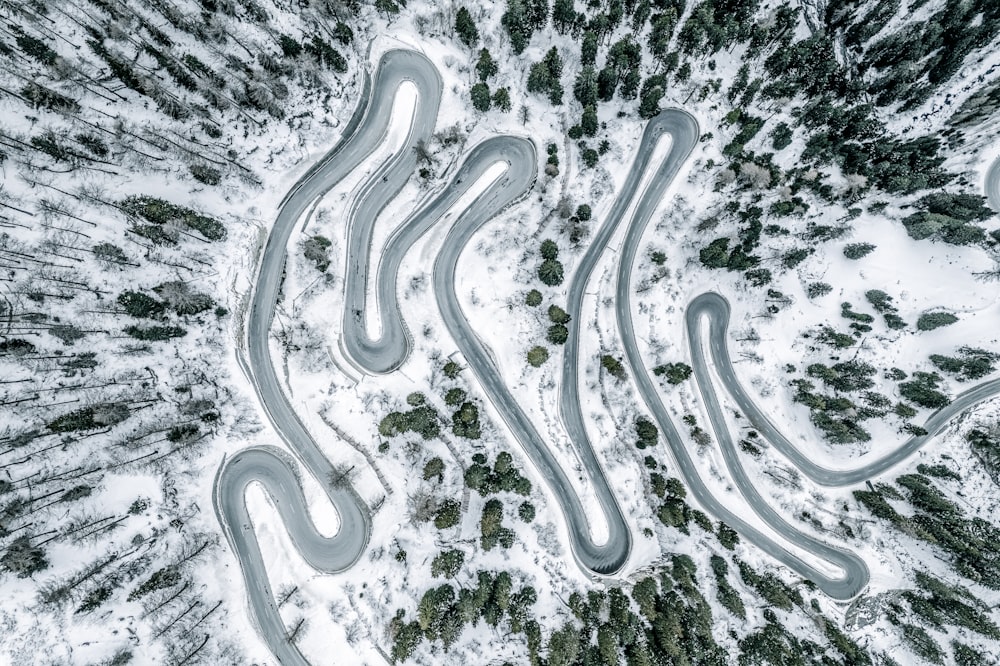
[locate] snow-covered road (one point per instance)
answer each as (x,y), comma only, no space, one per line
(484,190)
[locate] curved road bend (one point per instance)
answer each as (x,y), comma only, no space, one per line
(605,558)
(684,132)
(993,186)
(386,353)
(716,308)
(366,133)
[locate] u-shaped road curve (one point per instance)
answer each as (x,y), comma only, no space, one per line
(364,133)
(277,471)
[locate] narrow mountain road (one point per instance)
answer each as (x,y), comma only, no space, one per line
(277,471)
(263,465)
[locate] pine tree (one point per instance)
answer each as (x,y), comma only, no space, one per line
(501,99)
(481,97)
(585,86)
(563,16)
(518,25)
(589,121)
(466,28)
(486,66)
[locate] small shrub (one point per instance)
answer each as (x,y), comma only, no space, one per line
(674,373)
(447,563)
(155,333)
(205,174)
(855,251)
(537,356)
(931,320)
(557,334)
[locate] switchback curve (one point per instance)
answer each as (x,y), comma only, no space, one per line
(364,134)
(854,568)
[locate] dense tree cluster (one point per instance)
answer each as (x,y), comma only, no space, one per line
(421,419)
(444,611)
(949,218)
(502,476)
(965,542)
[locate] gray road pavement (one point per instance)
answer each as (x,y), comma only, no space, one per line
(993,185)
(277,471)
(715,308)
(683,130)
(366,131)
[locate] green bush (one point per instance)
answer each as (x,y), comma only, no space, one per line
(137,304)
(155,333)
(160,580)
(550,272)
(537,356)
(856,251)
(434,469)
(447,563)
(160,212)
(646,433)
(727,536)
(793,258)
(465,421)
(817,289)
(205,174)
(503,476)
(448,514)
(533,298)
(557,315)
(491,524)
(481,100)
(931,320)
(613,367)
(316,249)
(922,389)
(674,373)
(422,420)
(557,334)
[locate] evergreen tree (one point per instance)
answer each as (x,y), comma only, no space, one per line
(466,28)
(649,99)
(481,97)
(518,25)
(501,99)
(589,121)
(539,13)
(563,16)
(588,49)
(485,65)
(585,87)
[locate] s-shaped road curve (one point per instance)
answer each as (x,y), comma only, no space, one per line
(265,464)
(716,308)
(683,129)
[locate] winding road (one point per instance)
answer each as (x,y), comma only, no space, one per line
(277,471)
(363,134)
(683,130)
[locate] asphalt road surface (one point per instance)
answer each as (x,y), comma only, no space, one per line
(716,309)
(366,131)
(277,472)
(993,185)
(683,130)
